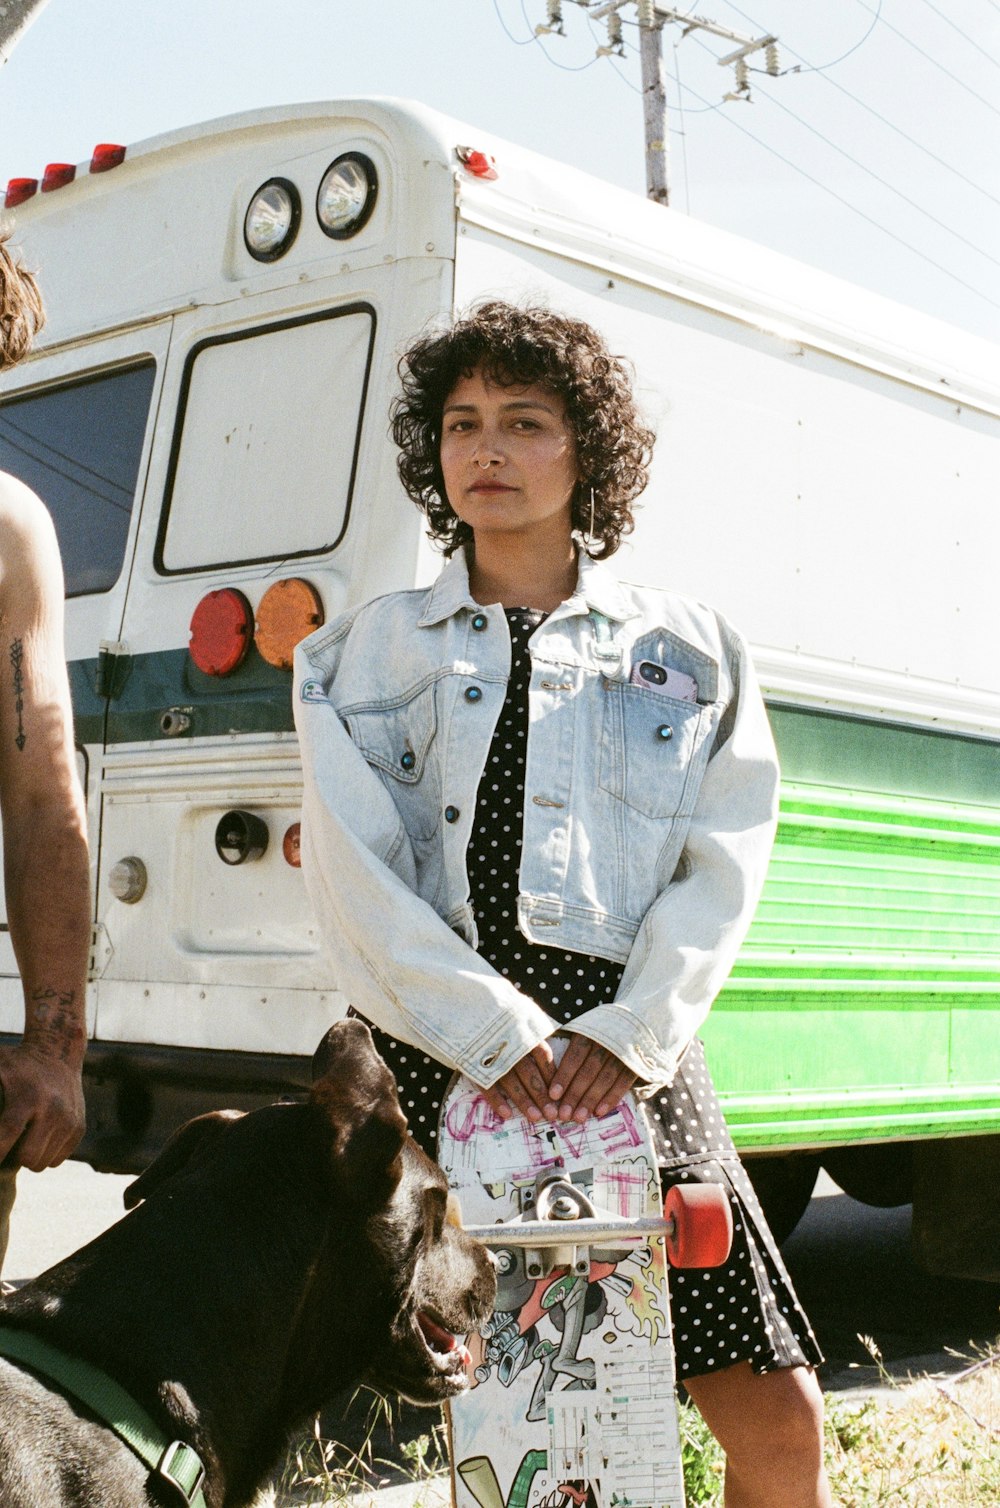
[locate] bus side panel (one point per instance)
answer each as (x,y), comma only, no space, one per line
(840,519)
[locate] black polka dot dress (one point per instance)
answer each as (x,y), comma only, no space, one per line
(744,1311)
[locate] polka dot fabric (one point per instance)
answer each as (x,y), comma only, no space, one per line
(746,1310)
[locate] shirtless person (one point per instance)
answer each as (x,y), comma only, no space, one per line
(46,870)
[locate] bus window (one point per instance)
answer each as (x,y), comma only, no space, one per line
(264,455)
(79,445)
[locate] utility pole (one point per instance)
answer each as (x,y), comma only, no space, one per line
(654,106)
(15,18)
(651,19)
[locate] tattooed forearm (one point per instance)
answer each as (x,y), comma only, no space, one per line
(52,1017)
(17,665)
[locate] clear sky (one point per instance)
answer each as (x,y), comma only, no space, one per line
(879,160)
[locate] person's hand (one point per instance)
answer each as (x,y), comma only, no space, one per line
(43,1114)
(589,1080)
(525,1087)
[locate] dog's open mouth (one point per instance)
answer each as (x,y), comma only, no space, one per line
(446,1351)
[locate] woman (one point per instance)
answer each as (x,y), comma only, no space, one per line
(539,801)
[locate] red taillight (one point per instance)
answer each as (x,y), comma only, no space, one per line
(477,163)
(221,631)
(291,845)
(107,155)
(288,611)
(19,189)
(57,175)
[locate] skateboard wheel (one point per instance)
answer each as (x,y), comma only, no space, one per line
(699,1225)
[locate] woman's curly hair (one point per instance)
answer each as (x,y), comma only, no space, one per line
(21,312)
(516,345)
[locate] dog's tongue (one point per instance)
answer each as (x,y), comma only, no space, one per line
(440,1339)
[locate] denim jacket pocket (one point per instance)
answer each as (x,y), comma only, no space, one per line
(651,748)
(396,737)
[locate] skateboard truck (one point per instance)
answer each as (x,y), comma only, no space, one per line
(697,1223)
(549,1207)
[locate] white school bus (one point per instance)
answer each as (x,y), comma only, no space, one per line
(205,415)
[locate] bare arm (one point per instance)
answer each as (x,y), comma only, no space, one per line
(46,869)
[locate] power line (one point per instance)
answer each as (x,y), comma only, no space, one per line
(852,207)
(963,34)
(517,41)
(822,67)
(877,114)
(947,71)
(942,225)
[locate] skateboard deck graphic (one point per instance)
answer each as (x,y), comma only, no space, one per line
(572,1403)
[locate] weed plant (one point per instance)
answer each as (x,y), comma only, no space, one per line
(925,1444)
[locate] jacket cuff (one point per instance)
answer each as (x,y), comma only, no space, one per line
(495,1051)
(625,1034)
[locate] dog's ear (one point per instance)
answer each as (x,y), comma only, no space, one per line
(186,1145)
(357,1094)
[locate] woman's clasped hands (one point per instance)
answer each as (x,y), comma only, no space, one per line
(588,1080)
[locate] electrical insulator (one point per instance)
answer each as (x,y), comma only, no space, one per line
(615,32)
(742,75)
(554,17)
(771,59)
(647,12)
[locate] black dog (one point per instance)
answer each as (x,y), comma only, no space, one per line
(275,1258)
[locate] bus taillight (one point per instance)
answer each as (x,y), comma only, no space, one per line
(288,611)
(221,631)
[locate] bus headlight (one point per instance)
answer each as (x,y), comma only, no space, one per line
(272,220)
(347,195)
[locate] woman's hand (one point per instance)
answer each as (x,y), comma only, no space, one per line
(525,1086)
(589,1080)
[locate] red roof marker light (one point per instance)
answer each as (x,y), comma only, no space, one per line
(477,163)
(107,155)
(18,190)
(57,175)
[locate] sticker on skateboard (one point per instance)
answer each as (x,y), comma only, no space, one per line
(573,1399)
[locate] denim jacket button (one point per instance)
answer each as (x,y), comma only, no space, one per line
(473,693)
(665,732)
(479,622)
(408,760)
(451,814)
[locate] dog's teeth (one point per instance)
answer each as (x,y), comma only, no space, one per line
(436,1336)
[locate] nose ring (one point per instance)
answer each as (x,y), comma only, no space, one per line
(484,465)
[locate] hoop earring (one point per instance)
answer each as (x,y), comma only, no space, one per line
(589,538)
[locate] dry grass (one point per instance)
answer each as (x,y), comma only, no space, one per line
(923,1444)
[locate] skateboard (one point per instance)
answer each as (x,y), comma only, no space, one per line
(573,1398)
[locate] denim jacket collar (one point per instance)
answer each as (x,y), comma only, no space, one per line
(597,590)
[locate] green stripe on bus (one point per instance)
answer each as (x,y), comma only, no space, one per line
(867,995)
(255,698)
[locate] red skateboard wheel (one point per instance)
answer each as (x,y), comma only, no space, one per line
(700,1225)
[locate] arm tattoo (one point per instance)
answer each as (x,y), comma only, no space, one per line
(17,665)
(52,1011)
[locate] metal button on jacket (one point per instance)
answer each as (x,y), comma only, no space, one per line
(665,732)
(479,622)
(473,693)
(451,814)
(408,760)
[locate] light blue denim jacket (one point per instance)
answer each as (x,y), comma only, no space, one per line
(648,821)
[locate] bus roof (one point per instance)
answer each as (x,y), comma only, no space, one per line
(164,231)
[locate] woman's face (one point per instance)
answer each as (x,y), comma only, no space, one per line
(508,458)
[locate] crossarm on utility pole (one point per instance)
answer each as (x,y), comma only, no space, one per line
(15,18)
